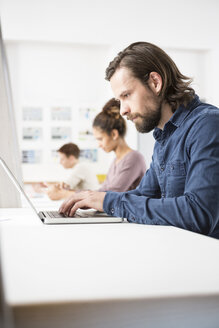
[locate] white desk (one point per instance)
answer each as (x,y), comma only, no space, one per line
(108,275)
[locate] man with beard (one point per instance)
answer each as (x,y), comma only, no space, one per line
(181,187)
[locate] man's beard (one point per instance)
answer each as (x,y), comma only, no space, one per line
(148,121)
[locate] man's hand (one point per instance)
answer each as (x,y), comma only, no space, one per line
(83,199)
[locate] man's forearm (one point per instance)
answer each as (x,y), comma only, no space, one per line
(183,212)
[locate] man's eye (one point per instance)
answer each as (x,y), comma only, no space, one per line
(126,95)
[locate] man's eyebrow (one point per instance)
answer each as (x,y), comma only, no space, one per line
(124,92)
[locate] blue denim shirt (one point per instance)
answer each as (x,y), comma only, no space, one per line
(181,187)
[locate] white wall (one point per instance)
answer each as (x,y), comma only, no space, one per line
(48,75)
(187,30)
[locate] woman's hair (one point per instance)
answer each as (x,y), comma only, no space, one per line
(142,58)
(70,149)
(109,118)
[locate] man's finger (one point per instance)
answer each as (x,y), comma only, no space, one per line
(79,204)
(65,207)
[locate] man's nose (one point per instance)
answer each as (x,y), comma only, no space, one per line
(124,108)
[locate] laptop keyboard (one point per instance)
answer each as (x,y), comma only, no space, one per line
(56,214)
(78,214)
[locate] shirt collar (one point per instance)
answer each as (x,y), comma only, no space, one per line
(182,111)
(176,120)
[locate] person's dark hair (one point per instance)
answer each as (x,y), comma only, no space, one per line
(142,58)
(109,118)
(70,149)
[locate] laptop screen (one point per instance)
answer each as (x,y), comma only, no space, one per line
(16,183)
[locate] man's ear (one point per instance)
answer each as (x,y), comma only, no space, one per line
(72,158)
(155,82)
(114,134)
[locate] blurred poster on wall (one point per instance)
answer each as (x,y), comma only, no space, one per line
(31,156)
(89,154)
(61,133)
(32,134)
(86,117)
(32,113)
(61,114)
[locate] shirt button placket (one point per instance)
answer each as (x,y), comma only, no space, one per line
(162,167)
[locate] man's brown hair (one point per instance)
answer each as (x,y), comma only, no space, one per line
(142,58)
(70,149)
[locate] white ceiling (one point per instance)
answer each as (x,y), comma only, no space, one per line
(170,23)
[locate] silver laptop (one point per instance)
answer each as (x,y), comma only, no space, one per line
(54,217)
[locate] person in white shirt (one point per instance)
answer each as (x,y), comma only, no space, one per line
(82,176)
